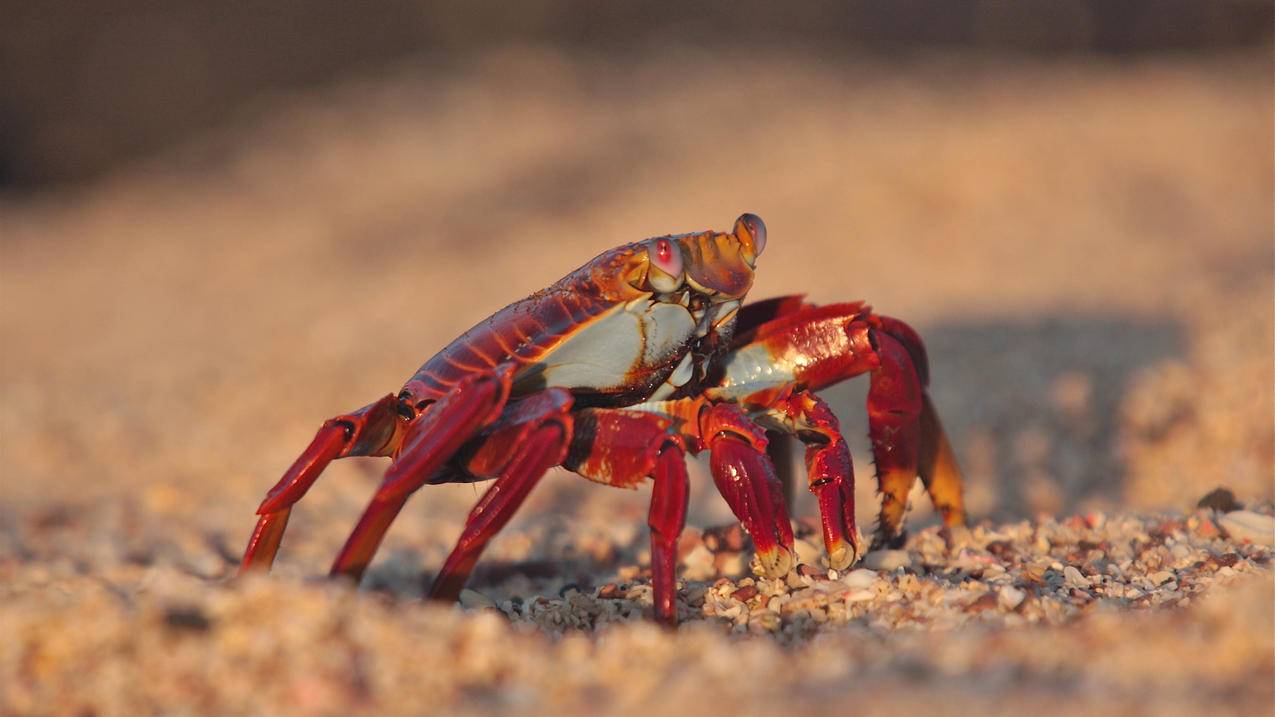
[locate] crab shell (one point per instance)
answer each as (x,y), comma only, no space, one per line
(623,328)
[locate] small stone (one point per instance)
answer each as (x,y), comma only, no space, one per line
(956,536)
(1221,499)
(985,602)
(1161,577)
(1001,548)
(729,563)
(1247,526)
(190,618)
(806,552)
(688,541)
(1207,529)
(474,600)
(887,560)
(699,564)
(1073,578)
(861,579)
(745,593)
(807,571)
(1011,597)
(610,591)
(726,538)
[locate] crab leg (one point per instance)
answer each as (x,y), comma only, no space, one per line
(431,439)
(536,434)
(745,477)
(938,469)
(621,448)
(373,430)
(894,412)
(907,438)
(829,470)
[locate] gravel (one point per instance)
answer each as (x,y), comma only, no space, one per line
(1022,608)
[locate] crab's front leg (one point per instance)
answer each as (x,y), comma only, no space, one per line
(621,448)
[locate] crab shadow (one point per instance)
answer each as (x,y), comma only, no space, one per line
(1034,407)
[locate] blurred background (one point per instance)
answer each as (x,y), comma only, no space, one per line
(222,223)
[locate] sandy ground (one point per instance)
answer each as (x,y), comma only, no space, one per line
(1086,247)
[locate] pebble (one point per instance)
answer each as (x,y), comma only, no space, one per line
(887,560)
(1245,525)
(474,600)
(807,552)
(1073,578)
(861,579)
(1011,597)
(699,564)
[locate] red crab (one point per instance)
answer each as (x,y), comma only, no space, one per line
(616,372)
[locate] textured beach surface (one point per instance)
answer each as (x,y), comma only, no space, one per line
(1087,248)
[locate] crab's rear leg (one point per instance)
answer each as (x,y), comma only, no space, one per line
(374,430)
(530,438)
(907,438)
(430,441)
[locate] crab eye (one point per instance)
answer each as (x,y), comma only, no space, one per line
(752,232)
(666,257)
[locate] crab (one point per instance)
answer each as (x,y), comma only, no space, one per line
(617,372)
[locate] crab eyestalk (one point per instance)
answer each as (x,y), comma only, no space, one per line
(721,265)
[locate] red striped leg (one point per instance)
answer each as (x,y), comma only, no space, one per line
(374,430)
(430,441)
(531,440)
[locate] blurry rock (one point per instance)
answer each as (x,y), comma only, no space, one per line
(688,541)
(956,536)
(1073,578)
(887,560)
(861,579)
(189,618)
(699,564)
(808,571)
(474,600)
(807,552)
(725,538)
(1245,525)
(1220,499)
(1011,597)
(984,602)
(729,563)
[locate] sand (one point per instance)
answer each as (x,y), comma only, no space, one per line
(1087,248)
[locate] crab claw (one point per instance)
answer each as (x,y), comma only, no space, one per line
(840,536)
(745,477)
